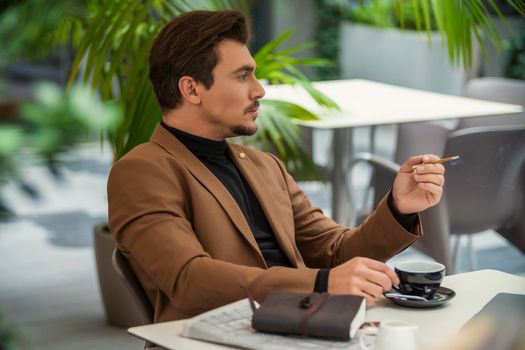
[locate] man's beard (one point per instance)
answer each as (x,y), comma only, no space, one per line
(242,130)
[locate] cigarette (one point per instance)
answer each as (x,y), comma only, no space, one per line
(440,161)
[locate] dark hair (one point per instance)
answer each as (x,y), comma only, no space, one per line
(186,46)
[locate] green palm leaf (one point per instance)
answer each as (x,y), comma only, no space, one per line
(459,22)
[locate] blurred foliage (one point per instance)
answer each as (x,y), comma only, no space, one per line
(329,15)
(35,28)
(405,14)
(458,22)
(10,338)
(413,15)
(51,124)
(56,119)
(377,13)
(516,59)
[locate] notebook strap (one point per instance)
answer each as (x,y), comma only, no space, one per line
(312,303)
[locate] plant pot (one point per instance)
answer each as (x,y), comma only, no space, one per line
(401,57)
(118,304)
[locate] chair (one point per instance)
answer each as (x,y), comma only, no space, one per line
(508,91)
(493,179)
(482,192)
(121,265)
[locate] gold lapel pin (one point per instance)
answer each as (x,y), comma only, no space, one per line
(242,155)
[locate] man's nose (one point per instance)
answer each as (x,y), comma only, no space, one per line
(258,90)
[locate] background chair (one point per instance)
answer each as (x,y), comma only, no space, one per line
(508,91)
(487,191)
(121,265)
(482,192)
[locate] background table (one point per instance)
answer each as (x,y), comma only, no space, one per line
(473,291)
(366,103)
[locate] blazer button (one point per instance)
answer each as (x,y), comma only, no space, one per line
(242,155)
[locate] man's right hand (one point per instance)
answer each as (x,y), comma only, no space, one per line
(362,276)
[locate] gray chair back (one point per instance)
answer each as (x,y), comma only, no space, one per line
(508,91)
(484,189)
(123,269)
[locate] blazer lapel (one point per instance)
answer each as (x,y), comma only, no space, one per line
(260,189)
(166,140)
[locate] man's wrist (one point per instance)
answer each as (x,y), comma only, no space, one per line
(405,220)
(321,281)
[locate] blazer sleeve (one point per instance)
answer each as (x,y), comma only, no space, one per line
(324,243)
(152,226)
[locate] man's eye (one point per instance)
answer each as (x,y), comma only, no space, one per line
(243,77)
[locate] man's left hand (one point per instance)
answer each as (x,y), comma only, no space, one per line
(418,189)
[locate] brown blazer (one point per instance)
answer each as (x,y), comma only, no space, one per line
(191,247)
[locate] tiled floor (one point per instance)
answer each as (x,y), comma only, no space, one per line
(48,287)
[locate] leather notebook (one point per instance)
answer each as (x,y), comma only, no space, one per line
(310,315)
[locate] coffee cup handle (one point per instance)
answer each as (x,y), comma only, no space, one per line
(366,332)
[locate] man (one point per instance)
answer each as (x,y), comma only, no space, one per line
(201,219)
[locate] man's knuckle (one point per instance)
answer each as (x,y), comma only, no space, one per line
(387,283)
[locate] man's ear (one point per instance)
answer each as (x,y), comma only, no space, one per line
(188,89)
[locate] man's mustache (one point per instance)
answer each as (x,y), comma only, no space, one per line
(253,106)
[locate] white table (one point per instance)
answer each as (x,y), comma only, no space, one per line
(366,103)
(473,291)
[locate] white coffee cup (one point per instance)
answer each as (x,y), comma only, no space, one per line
(391,335)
